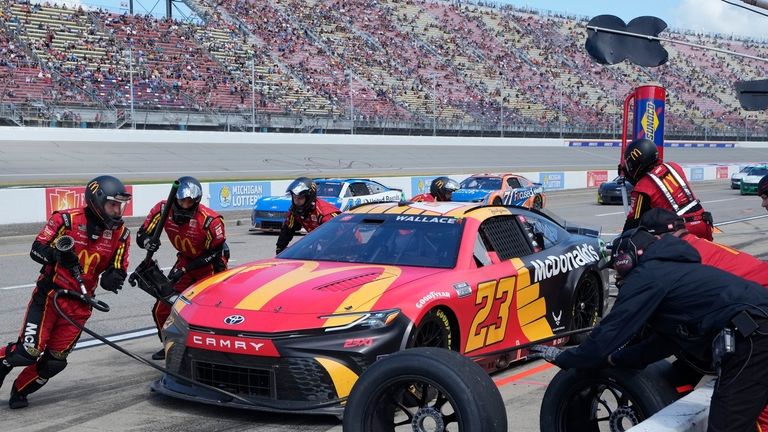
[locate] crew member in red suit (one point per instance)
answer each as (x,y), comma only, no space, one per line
(660,221)
(440,189)
(307,211)
(197,234)
(661,185)
(101,244)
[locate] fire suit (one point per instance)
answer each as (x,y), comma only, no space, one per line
(315,215)
(425,197)
(200,245)
(665,186)
(46,338)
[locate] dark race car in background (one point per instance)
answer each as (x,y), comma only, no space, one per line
(610,192)
(507,189)
(269,212)
(299,329)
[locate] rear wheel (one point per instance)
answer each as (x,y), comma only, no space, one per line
(586,306)
(538,202)
(451,393)
(612,399)
(497,201)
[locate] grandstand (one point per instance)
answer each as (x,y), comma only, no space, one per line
(374,66)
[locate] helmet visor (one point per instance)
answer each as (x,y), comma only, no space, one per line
(298,188)
(115,204)
(189,190)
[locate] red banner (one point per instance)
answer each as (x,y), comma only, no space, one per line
(62,198)
(722,172)
(596,178)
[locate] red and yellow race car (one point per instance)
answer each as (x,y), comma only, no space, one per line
(294,332)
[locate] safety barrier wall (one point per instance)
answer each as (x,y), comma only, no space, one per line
(35,204)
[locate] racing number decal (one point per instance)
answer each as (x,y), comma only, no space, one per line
(488,294)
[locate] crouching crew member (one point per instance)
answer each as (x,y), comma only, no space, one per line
(441,189)
(197,234)
(689,308)
(307,211)
(101,243)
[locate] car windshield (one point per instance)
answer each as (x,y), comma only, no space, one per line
(408,240)
(761,171)
(493,183)
(328,189)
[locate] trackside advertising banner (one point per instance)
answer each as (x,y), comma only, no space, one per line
(420,185)
(237,195)
(62,198)
(596,178)
(552,180)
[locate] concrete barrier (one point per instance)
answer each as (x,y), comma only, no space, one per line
(688,414)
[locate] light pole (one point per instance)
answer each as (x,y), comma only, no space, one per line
(253,92)
(130,76)
(351,104)
(502,113)
(561,113)
(434,107)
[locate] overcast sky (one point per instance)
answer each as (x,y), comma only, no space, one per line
(703,15)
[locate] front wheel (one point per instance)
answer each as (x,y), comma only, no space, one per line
(586,306)
(434,330)
(452,393)
(612,399)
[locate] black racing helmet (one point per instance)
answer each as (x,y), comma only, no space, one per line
(189,187)
(639,157)
(442,187)
(101,190)
(303,186)
(762,186)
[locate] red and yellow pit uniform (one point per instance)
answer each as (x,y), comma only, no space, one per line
(665,186)
(318,213)
(200,246)
(425,197)
(46,338)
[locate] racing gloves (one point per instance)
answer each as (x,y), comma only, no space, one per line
(176,273)
(112,279)
(151,245)
(279,249)
(548,353)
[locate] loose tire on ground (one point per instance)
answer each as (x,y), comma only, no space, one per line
(460,396)
(606,400)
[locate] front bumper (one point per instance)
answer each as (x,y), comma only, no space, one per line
(748,188)
(309,374)
(267,221)
(610,197)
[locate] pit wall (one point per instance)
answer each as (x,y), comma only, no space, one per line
(27,205)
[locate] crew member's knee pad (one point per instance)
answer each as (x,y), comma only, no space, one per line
(17,355)
(51,363)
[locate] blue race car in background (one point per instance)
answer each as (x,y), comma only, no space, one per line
(269,212)
(497,189)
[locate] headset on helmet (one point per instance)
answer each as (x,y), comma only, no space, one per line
(441,187)
(189,187)
(762,186)
(627,248)
(303,187)
(639,157)
(101,190)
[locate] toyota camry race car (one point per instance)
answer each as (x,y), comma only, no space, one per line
(507,189)
(269,212)
(294,333)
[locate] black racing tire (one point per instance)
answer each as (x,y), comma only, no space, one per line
(611,399)
(434,330)
(538,202)
(497,201)
(462,397)
(586,310)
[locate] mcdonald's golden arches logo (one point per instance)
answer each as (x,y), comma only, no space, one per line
(184,245)
(635,153)
(87,260)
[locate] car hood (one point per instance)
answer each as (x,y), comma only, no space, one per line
(470,195)
(751,178)
(282,295)
(273,203)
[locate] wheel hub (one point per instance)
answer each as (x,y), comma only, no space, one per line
(428,419)
(622,419)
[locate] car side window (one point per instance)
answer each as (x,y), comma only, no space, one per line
(359,189)
(376,188)
(543,231)
(513,182)
(504,236)
(480,253)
